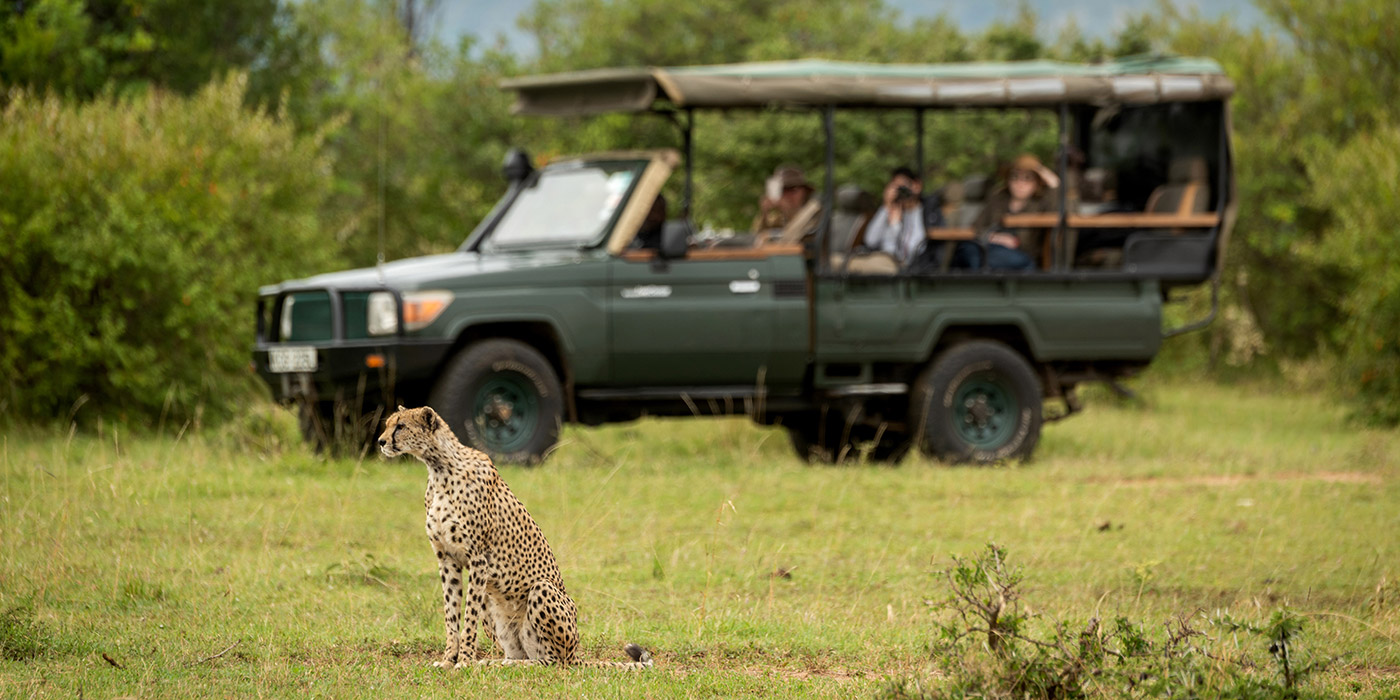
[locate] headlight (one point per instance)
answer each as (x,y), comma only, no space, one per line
(422,308)
(285,327)
(382,314)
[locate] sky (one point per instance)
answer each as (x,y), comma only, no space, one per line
(487,19)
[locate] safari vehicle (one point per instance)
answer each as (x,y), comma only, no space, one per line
(547,314)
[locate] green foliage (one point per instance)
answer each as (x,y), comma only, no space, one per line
(136,232)
(1358,184)
(419,132)
(1310,268)
(47,48)
(261,428)
(80,47)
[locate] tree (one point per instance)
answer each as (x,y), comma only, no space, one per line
(1314,111)
(78,47)
(418,130)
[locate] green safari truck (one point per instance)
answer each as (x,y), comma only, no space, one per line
(551,312)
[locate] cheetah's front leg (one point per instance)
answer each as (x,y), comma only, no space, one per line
(450,571)
(471,619)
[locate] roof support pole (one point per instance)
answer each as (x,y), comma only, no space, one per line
(919,143)
(828,186)
(689,146)
(1059,250)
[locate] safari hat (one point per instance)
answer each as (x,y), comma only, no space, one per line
(791,176)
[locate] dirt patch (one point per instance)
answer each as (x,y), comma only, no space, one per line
(1236,479)
(835,674)
(840,675)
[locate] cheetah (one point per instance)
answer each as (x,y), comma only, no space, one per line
(484,538)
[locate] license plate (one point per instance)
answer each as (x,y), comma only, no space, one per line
(291,359)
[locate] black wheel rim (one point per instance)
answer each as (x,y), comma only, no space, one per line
(985,412)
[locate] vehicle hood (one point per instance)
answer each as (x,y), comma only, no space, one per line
(448,270)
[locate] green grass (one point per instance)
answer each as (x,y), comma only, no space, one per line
(161,553)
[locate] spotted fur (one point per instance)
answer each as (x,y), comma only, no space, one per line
(487,542)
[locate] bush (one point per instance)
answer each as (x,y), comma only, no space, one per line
(1359,181)
(988,645)
(136,231)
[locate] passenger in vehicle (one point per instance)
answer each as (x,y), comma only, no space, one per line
(897,228)
(1097,194)
(1027,189)
(784,196)
(649,235)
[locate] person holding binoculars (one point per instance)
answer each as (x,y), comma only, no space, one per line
(898,226)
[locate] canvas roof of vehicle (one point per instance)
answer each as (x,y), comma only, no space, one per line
(819,83)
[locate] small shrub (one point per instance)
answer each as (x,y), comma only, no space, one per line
(987,645)
(263,428)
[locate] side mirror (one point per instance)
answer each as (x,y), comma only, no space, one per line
(675,237)
(517,166)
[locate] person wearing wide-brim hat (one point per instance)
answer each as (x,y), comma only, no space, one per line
(1027,188)
(784,194)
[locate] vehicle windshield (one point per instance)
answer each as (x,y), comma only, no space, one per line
(566,205)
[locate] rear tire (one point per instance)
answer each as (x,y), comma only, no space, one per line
(501,397)
(978,402)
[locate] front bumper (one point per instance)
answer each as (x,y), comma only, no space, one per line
(345,371)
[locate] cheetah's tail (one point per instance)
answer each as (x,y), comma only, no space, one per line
(641,659)
(639,655)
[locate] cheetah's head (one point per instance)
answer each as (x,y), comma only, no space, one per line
(411,431)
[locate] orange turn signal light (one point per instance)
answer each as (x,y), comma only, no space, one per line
(422,308)
(374,360)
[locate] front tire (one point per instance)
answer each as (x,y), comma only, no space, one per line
(501,397)
(978,402)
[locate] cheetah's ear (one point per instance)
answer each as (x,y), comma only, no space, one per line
(401,408)
(431,421)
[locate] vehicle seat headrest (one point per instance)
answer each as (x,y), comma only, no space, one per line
(953,193)
(1188,169)
(851,198)
(975,188)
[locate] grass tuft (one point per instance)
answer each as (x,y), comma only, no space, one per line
(22,637)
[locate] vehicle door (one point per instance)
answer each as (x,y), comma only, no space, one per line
(714,318)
